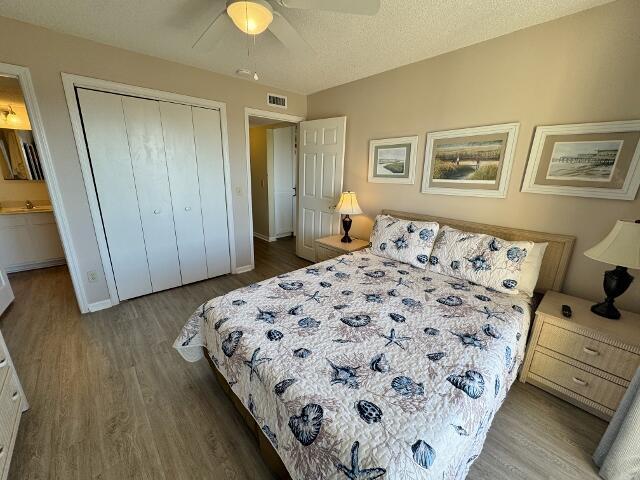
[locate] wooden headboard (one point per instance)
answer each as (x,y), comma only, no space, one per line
(556,256)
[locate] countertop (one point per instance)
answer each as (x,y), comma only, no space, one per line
(21,210)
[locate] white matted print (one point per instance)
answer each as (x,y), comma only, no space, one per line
(393,160)
(599,160)
(587,161)
(470,161)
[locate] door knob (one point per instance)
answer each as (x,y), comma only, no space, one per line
(156,211)
(187,209)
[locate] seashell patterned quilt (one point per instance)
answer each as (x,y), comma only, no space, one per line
(360,367)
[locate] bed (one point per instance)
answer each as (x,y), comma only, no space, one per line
(361,367)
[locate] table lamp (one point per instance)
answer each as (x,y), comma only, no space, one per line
(347,205)
(621,248)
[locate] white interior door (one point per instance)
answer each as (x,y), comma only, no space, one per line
(320,172)
(106,136)
(284,181)
(6,294)
(144,130)
(180,150)
(211,177)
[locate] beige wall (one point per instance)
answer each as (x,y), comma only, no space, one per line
(47,54)
(581,68)
(259,180)
(22,190)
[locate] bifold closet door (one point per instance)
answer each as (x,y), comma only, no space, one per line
(180,151)
(146,144)
(211,177)
(103,121)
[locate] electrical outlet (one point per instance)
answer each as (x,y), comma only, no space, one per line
(92,275)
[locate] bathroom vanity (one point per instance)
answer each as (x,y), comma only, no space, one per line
(29,238)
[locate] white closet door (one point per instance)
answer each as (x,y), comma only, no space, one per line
(177,126)
(208,139)
(146,145)
(104,126)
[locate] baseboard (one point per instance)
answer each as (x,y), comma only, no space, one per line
(101,305)
(274,238)
(264,237)
(35,265)
(243,269)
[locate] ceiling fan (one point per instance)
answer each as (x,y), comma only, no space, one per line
(255,16)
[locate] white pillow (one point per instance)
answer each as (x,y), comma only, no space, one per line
(482,259)
(407,241)
(531,269)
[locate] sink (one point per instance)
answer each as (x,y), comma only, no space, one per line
(23,209)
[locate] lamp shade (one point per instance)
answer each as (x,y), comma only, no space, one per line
(348,204)
(252,17)
(620,247)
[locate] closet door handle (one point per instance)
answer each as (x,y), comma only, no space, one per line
(3,362)
(156,211)
(187,209)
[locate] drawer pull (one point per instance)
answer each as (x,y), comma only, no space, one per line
(579,381)
(590,351)
(15,395)
(3,362)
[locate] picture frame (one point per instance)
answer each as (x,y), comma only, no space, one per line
(594,160)
(474,161)
(393,160)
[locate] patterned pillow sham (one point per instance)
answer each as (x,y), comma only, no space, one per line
(482,259)
(406,241)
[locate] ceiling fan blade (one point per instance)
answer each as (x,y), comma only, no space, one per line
(288,35)
(359,7)
(211,35)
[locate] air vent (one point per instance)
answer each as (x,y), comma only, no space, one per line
(274,100)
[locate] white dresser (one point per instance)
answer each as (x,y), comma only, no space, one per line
(12,399)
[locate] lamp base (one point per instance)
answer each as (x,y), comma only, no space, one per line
(606,309)
(346,226)
(615,283)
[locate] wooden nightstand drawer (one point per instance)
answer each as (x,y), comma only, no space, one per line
(583,383)
(608,358)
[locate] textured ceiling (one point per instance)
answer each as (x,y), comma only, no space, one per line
(347,47)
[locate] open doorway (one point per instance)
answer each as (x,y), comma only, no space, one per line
(272,154)
(29,237)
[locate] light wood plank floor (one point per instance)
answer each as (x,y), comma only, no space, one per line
(110,399)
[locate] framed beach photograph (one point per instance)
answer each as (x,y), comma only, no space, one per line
(598,160)
(393,160)
(470,161)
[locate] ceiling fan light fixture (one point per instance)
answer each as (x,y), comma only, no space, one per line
(251,16)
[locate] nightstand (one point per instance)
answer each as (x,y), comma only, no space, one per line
(586,360)
(330,247)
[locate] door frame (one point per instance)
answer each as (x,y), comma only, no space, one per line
(23,75)
(254,112)
(70,83)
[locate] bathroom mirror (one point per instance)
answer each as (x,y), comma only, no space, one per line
(19,159)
